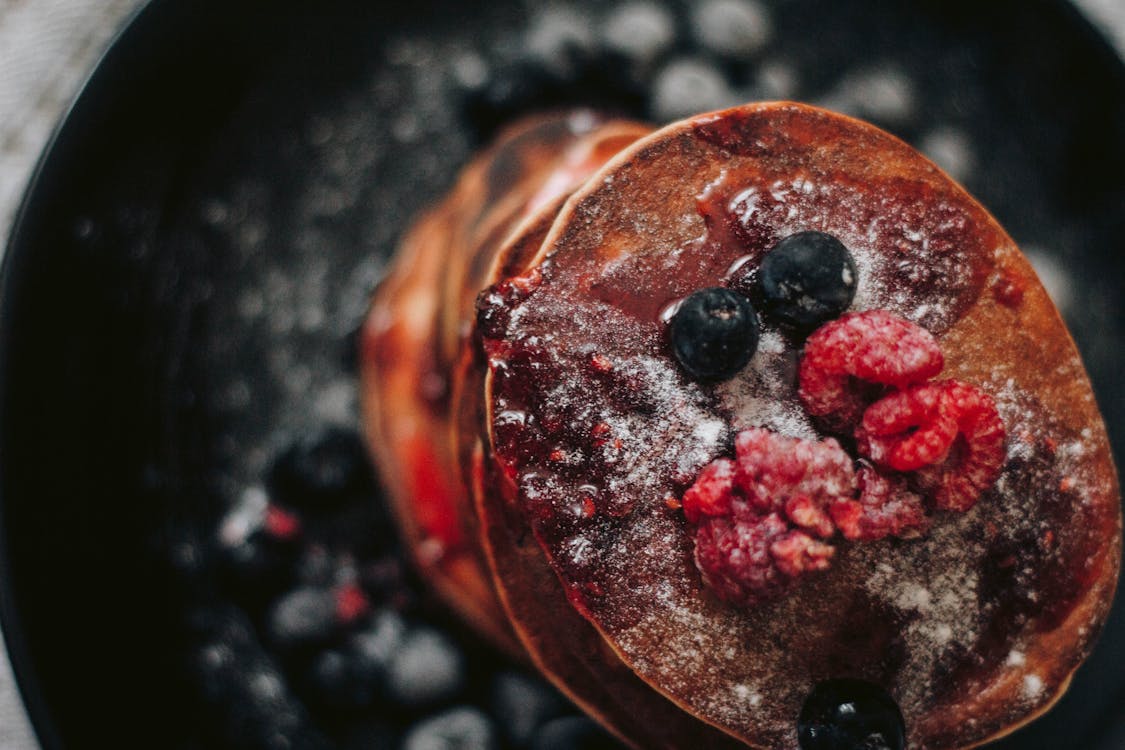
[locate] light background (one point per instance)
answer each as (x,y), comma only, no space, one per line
(47,48)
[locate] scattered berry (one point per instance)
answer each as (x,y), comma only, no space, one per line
(372,648)
(850,714)
(714,333)
(336,683)
(323,471)
(807,279)
(734,28)
(688,86)
(281,524)
(351,603)
(639,33)
(427,668)
(304,615)
(526,703)
(461,728)
(561,40)
(874,347)
(573,733)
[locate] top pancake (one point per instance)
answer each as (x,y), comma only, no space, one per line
(974,628)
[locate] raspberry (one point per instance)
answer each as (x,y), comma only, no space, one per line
(756,559)
(758,517)
(885,507)
(795,553)
(798,478)
(977,456)
(949,432)
(872,346)
(908,429)
(710,495)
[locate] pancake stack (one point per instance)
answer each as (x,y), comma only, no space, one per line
(553,454)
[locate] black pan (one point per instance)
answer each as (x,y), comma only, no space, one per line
(203,230)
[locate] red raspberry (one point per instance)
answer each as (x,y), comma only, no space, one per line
(710,495)
(873,346)
(977,456)
(909,429)
(756,559)
(798,478)
(885,507)
(759,515)
(796,552)
(949,432)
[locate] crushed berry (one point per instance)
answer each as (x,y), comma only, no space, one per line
(759,516)
(735,560)
(886,507)
(796,477)
(281,524)
(873,347)
(796,553)
(495,303)
(977,456)
(1008,289)
(351,603)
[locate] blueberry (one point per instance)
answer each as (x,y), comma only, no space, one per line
(426,669)
(336,682)
(304,615)
(714,333)
(526,703)
(687,86)
(573,733)
(807,279)
(849,714)
(462,728)
(732,28)
(373,647)
(322,471)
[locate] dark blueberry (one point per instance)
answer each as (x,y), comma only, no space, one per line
(807,279)
(369,734)
(573,733)
(257,558)
(714,333)
(374,646)
(337,683)
(427,668)
(526,703)
(849,714)
(304,615)
(322,471)
(462,728)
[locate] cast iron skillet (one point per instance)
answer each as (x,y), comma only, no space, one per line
(115,298)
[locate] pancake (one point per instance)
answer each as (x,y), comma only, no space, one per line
(578,437)
(417,329)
